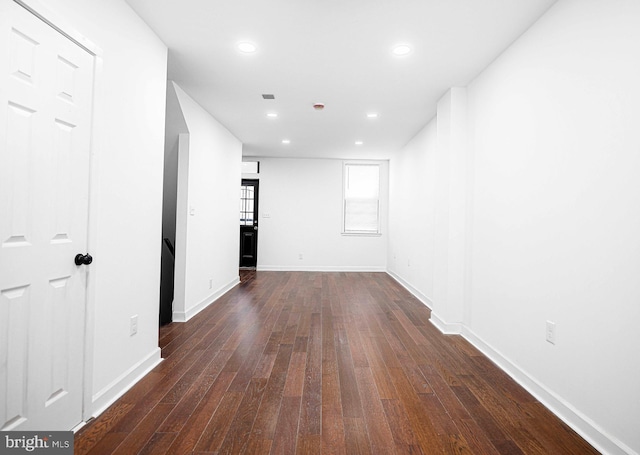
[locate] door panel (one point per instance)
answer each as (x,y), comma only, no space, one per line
(45,126)
(248,246)
(249,223)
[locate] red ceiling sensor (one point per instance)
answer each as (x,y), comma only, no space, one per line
(318,106)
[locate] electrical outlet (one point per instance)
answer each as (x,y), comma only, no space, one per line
(551,332)
(300,256)
(133,326)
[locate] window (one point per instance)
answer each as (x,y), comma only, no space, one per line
(361,204)
(247,196)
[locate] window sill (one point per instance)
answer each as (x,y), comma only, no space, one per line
(362,234)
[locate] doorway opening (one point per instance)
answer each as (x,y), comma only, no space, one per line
(249,223)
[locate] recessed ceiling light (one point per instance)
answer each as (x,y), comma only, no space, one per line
(401,50)
(286,141)
(359,142)
(272,115)
(372,115)
(246,47)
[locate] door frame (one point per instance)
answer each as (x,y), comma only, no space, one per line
(42,12)
(256,223)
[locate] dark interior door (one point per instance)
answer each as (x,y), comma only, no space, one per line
(248,223)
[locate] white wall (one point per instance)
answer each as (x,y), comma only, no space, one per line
(556,232)
(209,229)
(411,213)
(554,219)
(126,239)
(303,201)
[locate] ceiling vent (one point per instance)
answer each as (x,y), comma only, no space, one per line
(267,96)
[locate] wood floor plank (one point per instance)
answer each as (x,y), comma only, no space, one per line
(420,421)
(240,429)
(310,415)
(216,431)
(400,426)
(475,437)
(309,445)
(378,429)
(310,363)
(185,408)
(285,437)
(181,412)
(92,434)
(266,419)
(289,335)
(350,396)
(186,381)
(332,408)
(295,375)
(378,369)
(358,355)
(356,437)
(142,433)
(158,444)
(194,428)
(107,444)
(482,416)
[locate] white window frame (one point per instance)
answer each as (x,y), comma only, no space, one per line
(345,230)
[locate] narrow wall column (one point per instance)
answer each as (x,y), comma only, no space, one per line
(451,227)
(182,220)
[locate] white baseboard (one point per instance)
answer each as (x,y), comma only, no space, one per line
(107,396)
(417,294)
(184,316)
(445,327)
(319,268)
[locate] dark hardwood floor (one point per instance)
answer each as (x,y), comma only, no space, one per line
(310,363)
(247,275)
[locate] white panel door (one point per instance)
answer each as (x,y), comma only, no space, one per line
(45,122)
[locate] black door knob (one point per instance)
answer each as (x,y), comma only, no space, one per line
(83,259)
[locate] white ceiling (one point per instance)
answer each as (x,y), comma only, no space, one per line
(336,52)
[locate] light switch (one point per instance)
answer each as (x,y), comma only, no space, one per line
(192,210)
